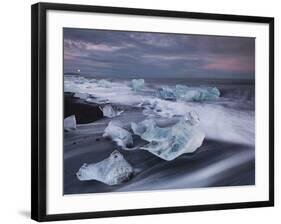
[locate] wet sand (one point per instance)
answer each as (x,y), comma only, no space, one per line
(84,112)
(214,164)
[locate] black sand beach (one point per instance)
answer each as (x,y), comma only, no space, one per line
(214,164)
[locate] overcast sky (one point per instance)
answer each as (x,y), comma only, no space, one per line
(138,54)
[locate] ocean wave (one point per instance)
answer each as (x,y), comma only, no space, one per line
(221,119)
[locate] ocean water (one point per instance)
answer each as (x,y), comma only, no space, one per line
(226,157)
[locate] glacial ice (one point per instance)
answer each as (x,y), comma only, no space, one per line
(112,170)
(196,93)
(69,123)
(118,134)
(170,142)
(109,111)
(137,84)
(186,93)
(104,83)
(166,93)
(82,96)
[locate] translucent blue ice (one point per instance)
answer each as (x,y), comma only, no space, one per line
(186,93)
(196,93)
(112,170)
(137,84)
(109,111)
(118,134)
(170,142)
(166,93)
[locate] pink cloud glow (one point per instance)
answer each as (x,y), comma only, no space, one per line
(241,64)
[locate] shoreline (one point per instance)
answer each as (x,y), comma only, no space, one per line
(86,145)
(84,112)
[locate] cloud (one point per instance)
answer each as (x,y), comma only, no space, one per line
(82,45)
(127,54)
(171,57)
(240,65)
(158,40)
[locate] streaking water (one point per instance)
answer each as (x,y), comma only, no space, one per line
(225,159)
(231,118)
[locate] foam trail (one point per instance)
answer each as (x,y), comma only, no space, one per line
(219,119)
(203,177)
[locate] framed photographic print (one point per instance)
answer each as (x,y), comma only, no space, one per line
(139,111)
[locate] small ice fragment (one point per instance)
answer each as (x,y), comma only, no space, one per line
(170,142)
(112,170)
(109,111)
(69,123)
(104,83)
(166,93)
(118,134)
(82,96)
(137,84)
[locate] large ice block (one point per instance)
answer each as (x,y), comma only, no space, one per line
(186,93)
(170,142)
(69,123)
(109,111)
(137,84)
(118,134)
(112,170)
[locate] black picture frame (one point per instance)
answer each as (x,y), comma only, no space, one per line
(39,122)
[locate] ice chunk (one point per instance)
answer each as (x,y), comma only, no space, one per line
(112,170)
(186,93)
(140,128)
(82,96)
(170,142)
(118,134)
(196,93)
(104,83)
(166,93)
(137,84)
(69,123)
(149,131)
(109,111)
